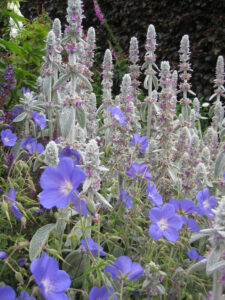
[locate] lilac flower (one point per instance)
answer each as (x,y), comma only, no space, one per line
(52,281)
(24,296)
(92,246)
(72,153)
(118,115)
(193,255)
(22,261)
(153,194)
(206,203)
(101,293)
(7,293)
(11,198)
(31,145)
(38,119)
(3,255)
(60,184)
(8,138)
(165,223)
(126,199)
(141,143)
(138,172)
(125,267)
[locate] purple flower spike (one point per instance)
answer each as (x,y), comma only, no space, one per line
(125,267)
(126,199)
(7,293)
(3,255)
(141,143)
(8,138)
(193,255)
(101,293)
(11,198)
(72,153)
(60,184)
(165,223)
(153,194)
(25,296)
(138,172)
(52,281)
(118,115)
(92,246)
(206,203)
(38,119)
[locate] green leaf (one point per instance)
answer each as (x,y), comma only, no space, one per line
(39,239)
(14,16)
(12,47)
(80,116)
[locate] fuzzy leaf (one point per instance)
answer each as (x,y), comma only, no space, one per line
(222,134)
(220,164)
(212,260)
(198,236)
(20,117)
(61,80)
(75,264)
(199,266)
(39,239)
(155,82)
(217,266)
(80,116)
(103,200)
(85,80)
(86,184)
(67,119)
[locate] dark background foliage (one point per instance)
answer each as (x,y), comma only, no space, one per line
(202,20)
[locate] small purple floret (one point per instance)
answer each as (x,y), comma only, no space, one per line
(101,293)
(153,194)
(193,255)
(39,119)
(141,143)
(138,171)
(126,199)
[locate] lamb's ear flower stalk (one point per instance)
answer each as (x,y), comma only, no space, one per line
(150,72)
(134,70)
(219,80)
(185,75)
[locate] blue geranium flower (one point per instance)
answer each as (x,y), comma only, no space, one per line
(3,255)
(60,185)
(39,119)
(101,293)
(124,266)
(118,115)
(165,223)
(31,145)
(206,203)
(52,281)
(92,246)
(138,171)
(141,143)
(7,293)
(11,198)
(153,194)
(72,153)
(25,296)
(8,138)
(193,255)
(126,199)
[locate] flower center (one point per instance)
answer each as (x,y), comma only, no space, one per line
(47,285)
(206,203)
(6,139)
(162,224)
(66,187)
(28,146)
(117,117)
